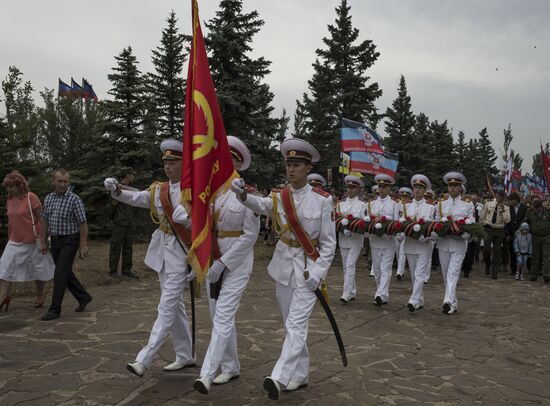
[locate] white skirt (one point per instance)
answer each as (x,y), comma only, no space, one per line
(23,262)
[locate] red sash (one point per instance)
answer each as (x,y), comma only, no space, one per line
(295,226)
(182,233)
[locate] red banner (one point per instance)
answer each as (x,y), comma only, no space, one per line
(207,164)
(546,166)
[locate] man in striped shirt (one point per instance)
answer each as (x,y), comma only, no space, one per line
(65,220)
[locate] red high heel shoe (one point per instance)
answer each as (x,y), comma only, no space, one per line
(40,303)
(6,302)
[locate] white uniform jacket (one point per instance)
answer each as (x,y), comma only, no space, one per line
(357,209)
(164,249)
(418,210)
(383,207)
(457,209)
(315,213)
(232,216)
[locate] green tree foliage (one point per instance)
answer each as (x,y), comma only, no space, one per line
(461,152)
(166,85)
(340,87)
(400,121)
(22,121)
(442,150)
(487,153)
(245,100)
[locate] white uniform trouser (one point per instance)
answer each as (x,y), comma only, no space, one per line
(222,350)
(401,259)
(171,319)
(432,244)
(451,263)
(420,272)
(296,305)
(382,261)
(349,263)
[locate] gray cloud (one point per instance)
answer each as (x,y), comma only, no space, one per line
(448,51)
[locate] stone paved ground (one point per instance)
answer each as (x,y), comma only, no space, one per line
(495,351)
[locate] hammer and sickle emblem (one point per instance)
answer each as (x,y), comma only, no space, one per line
(206,142)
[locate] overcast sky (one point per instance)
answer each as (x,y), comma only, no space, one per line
(483,63)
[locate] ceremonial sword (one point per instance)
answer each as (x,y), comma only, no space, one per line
(332,321)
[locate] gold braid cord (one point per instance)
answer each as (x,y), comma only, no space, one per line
(152,211)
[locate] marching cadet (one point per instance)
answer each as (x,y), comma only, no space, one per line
(452,248)
(167,257)
(419,252)
(405,195)
(383,248)
(236,229)
(429,196)
(376,193)
(303,217)
(351,243)
(316,180)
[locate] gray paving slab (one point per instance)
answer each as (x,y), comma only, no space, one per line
(494,351)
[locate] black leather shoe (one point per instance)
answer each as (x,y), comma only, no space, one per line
(130,274)
(446,308)
(50,316)
(82,305)
(411,307)
(114,275)
(378,301)
(399,277)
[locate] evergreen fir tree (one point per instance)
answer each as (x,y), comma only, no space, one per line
(461,152)
(166,85)
(471,168)
(340,86)
(245,101)
(443,151)
(124,114)
(487,153)
(400,122)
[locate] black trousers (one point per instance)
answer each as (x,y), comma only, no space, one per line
(469,258)
(64,250)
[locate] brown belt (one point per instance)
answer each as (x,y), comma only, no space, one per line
(229,233)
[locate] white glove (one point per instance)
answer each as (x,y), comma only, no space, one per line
(434,236)
(400,237)
(312,283)
(465,236)
(110,184)
(237,185)
(347,233)
(190,276)
(180,216)
(215,271)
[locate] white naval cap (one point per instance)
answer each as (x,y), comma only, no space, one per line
(297,149)
(421,180)
(354,180)
(375,189)
(171,149)
(383,179)
(240,151)
(454,178)
(315,178)
(430,193)
(406,191)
